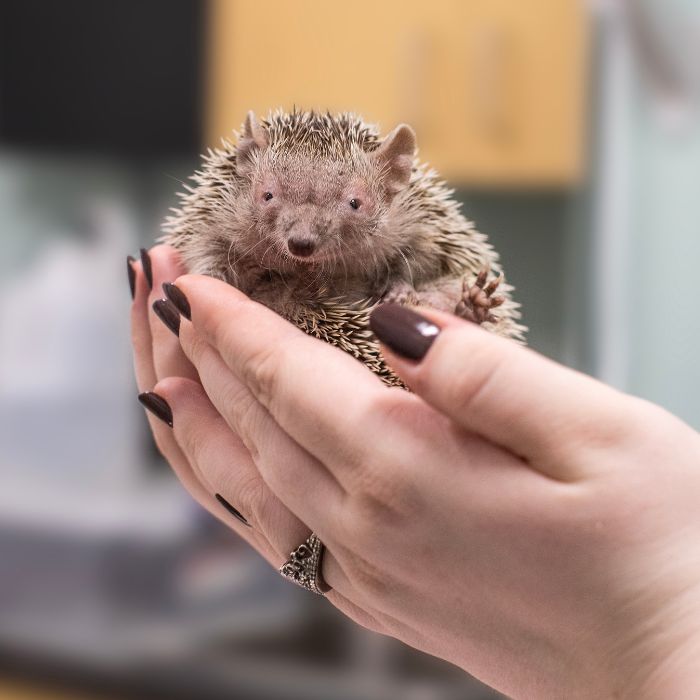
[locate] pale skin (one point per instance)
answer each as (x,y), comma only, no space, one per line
(521,520)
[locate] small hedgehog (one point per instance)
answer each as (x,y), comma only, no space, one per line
(320,219)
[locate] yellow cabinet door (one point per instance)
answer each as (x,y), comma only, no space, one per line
(514,111)
(494,89)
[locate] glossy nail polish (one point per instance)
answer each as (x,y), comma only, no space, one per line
(147,269)
(130,260)
(231,509)
(158,406)
(179,299)
(168,314)
(402,330)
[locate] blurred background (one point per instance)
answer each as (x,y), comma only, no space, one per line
(570,131)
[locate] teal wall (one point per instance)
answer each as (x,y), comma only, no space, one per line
(664,272)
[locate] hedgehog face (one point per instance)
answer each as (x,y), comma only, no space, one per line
(321,206)
(310,211)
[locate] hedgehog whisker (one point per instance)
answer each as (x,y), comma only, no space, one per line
(376,260)
(345,268)
(250,249)
(264,255)
(341,243)
(326,269)
(177,179)
(408,267)
(231,267)
(319,275)
(367,268)
(285,259)
(384,259)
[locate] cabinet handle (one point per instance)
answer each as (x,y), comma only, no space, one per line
(414,59)
(492,62)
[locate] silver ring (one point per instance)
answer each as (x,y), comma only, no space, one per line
(304,566)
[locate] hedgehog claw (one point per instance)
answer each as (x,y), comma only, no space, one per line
(477,299)
(492,286)
(482,276)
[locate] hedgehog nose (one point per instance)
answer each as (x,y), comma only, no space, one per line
(302,247)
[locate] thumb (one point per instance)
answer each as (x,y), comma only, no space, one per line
(553,417)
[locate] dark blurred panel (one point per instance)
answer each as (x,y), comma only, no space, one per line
(102,77)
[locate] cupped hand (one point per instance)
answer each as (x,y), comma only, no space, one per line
(207,457)
(514,517)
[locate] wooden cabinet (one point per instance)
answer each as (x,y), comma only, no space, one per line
(494,88)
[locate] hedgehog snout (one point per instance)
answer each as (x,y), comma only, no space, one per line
(301,246)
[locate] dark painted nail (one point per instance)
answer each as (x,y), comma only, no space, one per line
(404,331)
(168,314)
(158,406)
(179,299)
(130,260)
(231,509)
(147,269)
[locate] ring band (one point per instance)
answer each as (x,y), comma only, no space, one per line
(304,566)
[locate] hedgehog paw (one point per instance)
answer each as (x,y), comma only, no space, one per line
(401,293)
(478,299)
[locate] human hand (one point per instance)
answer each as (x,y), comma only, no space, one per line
(209,459)
(523,521)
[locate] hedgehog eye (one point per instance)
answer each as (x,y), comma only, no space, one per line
(267,196)
(355,203)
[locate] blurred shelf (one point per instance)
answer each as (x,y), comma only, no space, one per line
(190,617)
(155,508)
(112,603)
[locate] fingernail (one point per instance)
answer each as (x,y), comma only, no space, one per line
(231,509)
(130,260)
(168,314)
(404,331)
(158,406)
(178,298)
(147,269)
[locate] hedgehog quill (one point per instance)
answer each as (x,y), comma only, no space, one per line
(319,218)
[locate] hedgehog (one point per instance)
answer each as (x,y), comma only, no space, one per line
(321,219)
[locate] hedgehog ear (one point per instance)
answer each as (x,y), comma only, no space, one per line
(252,140)
(394,158)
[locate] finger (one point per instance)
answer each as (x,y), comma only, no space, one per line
(551,415)
(168,358)
(224,466)
(294,475)
(144,366)
(146,379)
(219,464)
(141,340)
(332,571)
(316,393)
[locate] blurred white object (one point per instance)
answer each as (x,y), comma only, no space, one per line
(646,242)
(611,232)
(64,356)
(664,37)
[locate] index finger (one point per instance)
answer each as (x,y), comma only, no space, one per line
(316,393)
(557,419)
